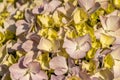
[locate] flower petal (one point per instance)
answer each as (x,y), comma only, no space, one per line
(28,58)
(39,76)
(113,23)
(70,45)
(45,44)
(16,72)
(34,67)
(59,65)
(116,53)
(21,27)
(86,4)
(60,77)
(28,45)
(116,69)
(25,77)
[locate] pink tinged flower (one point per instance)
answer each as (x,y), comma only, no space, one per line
(28,45)
(21,27)
(110,24)
(19,71)
(116,69)
(39,76)
(114,13)
(34,37)
(59,77)
(50,7)
(77,73)
(26,77)
(116,53)
(113,23)
(103,3)
(29,17)
(77,48)
(38,9)
(9,25)
(89,5)
(59,65)
(29,57)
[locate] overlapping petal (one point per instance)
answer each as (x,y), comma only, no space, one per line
(78,47)
(59,65)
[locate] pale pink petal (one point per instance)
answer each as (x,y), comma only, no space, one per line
(114,13)
(94,8)
(25,77)
(75,70)
(39,76)
(21,27)
(59,65)
(28,45)
(28,58)
(103,22)
(103,3)
(70,50)
(29,17)
(10,25)
(78,54)
(60,77)
(37,9)
(116,69)
(16,72)
(34,67)
(85,47)
(113,23)
(83,39)
(53,5)
(17,46)
(69,43)
(60,71)
(116,53)
(86,4)
(34,37)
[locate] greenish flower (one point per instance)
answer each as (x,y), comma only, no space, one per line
(44,60)
(108,61)
(2,37)
(116,3)
(79,15)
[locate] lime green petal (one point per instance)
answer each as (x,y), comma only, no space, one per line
(108,61)
(106,40)
(79,15)
(44,60)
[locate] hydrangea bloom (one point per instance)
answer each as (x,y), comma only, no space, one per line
(77,48)
(59,39)
(27,70)
(59,65)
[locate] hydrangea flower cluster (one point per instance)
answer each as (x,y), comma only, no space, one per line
(59,39)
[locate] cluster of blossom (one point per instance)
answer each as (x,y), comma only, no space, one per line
(59,39)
